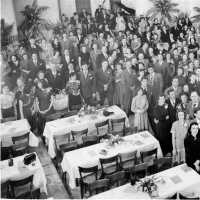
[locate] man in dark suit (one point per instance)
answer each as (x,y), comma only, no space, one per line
(104,83)
(172,103)
(155,82)
(101,57)
(193,104)
(87,85)
(36,65)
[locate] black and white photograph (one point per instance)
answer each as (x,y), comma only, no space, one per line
(100,99)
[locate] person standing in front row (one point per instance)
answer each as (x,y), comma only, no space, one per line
(162,125)
(104,84)
(192,147)
(131,83)
(179,131)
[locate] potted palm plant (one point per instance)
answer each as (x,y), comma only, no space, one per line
(33,23)
(196,18)
(163,10)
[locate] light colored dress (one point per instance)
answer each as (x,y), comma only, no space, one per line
(179,132)
(140,103)
(120,24)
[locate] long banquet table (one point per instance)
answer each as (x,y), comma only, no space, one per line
(89,156)
(16,128)
(179,179)
(19,171)
(66,125)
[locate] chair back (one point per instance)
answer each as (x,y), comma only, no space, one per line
(98,186)
(19,183)
(148,155)
(102,127)
(139,171)
(61,139)
(76,134)
(118,126)
(109,165)
(68,147)
(162,164)
(19,149)
(5,190)
(21,139)
(89,140)
(88,171)
(117,179)
(128,159)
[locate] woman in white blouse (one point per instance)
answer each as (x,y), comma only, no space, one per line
(7,103)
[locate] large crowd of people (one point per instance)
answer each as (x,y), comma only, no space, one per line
(147,68)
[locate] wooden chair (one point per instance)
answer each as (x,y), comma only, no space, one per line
(90,172)
(102,129)
(117,179)
(61,140)
(76,134)
(148,156)
(68,147)
(128,160)
(98,186)
(139,171)
(181,196)
(21,139)
(89,140)
(118,126)
(161,164)
(109,165)
(28,182)
(63,149)
(5,193)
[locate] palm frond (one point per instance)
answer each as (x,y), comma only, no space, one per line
(197,9)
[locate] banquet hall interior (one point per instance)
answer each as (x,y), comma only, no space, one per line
(100,99)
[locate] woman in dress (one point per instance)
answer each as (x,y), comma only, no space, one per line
(119,87)
(162,125)
(43,105)
(120,23)
(178,131)
(25,101)
(139,106)
(73,89)
(15,72)
(192,147)
(7,103)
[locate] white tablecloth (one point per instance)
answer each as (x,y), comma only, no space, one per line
(16,128)
(19,171)
(89,156)
(66,125)
(183,182)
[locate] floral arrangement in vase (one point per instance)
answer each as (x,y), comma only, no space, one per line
(148,184)
(114,140)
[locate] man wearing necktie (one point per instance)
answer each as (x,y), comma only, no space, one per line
(172,102)
(87,85)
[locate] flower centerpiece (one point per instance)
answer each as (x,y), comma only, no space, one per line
(114,140)
(148,184)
